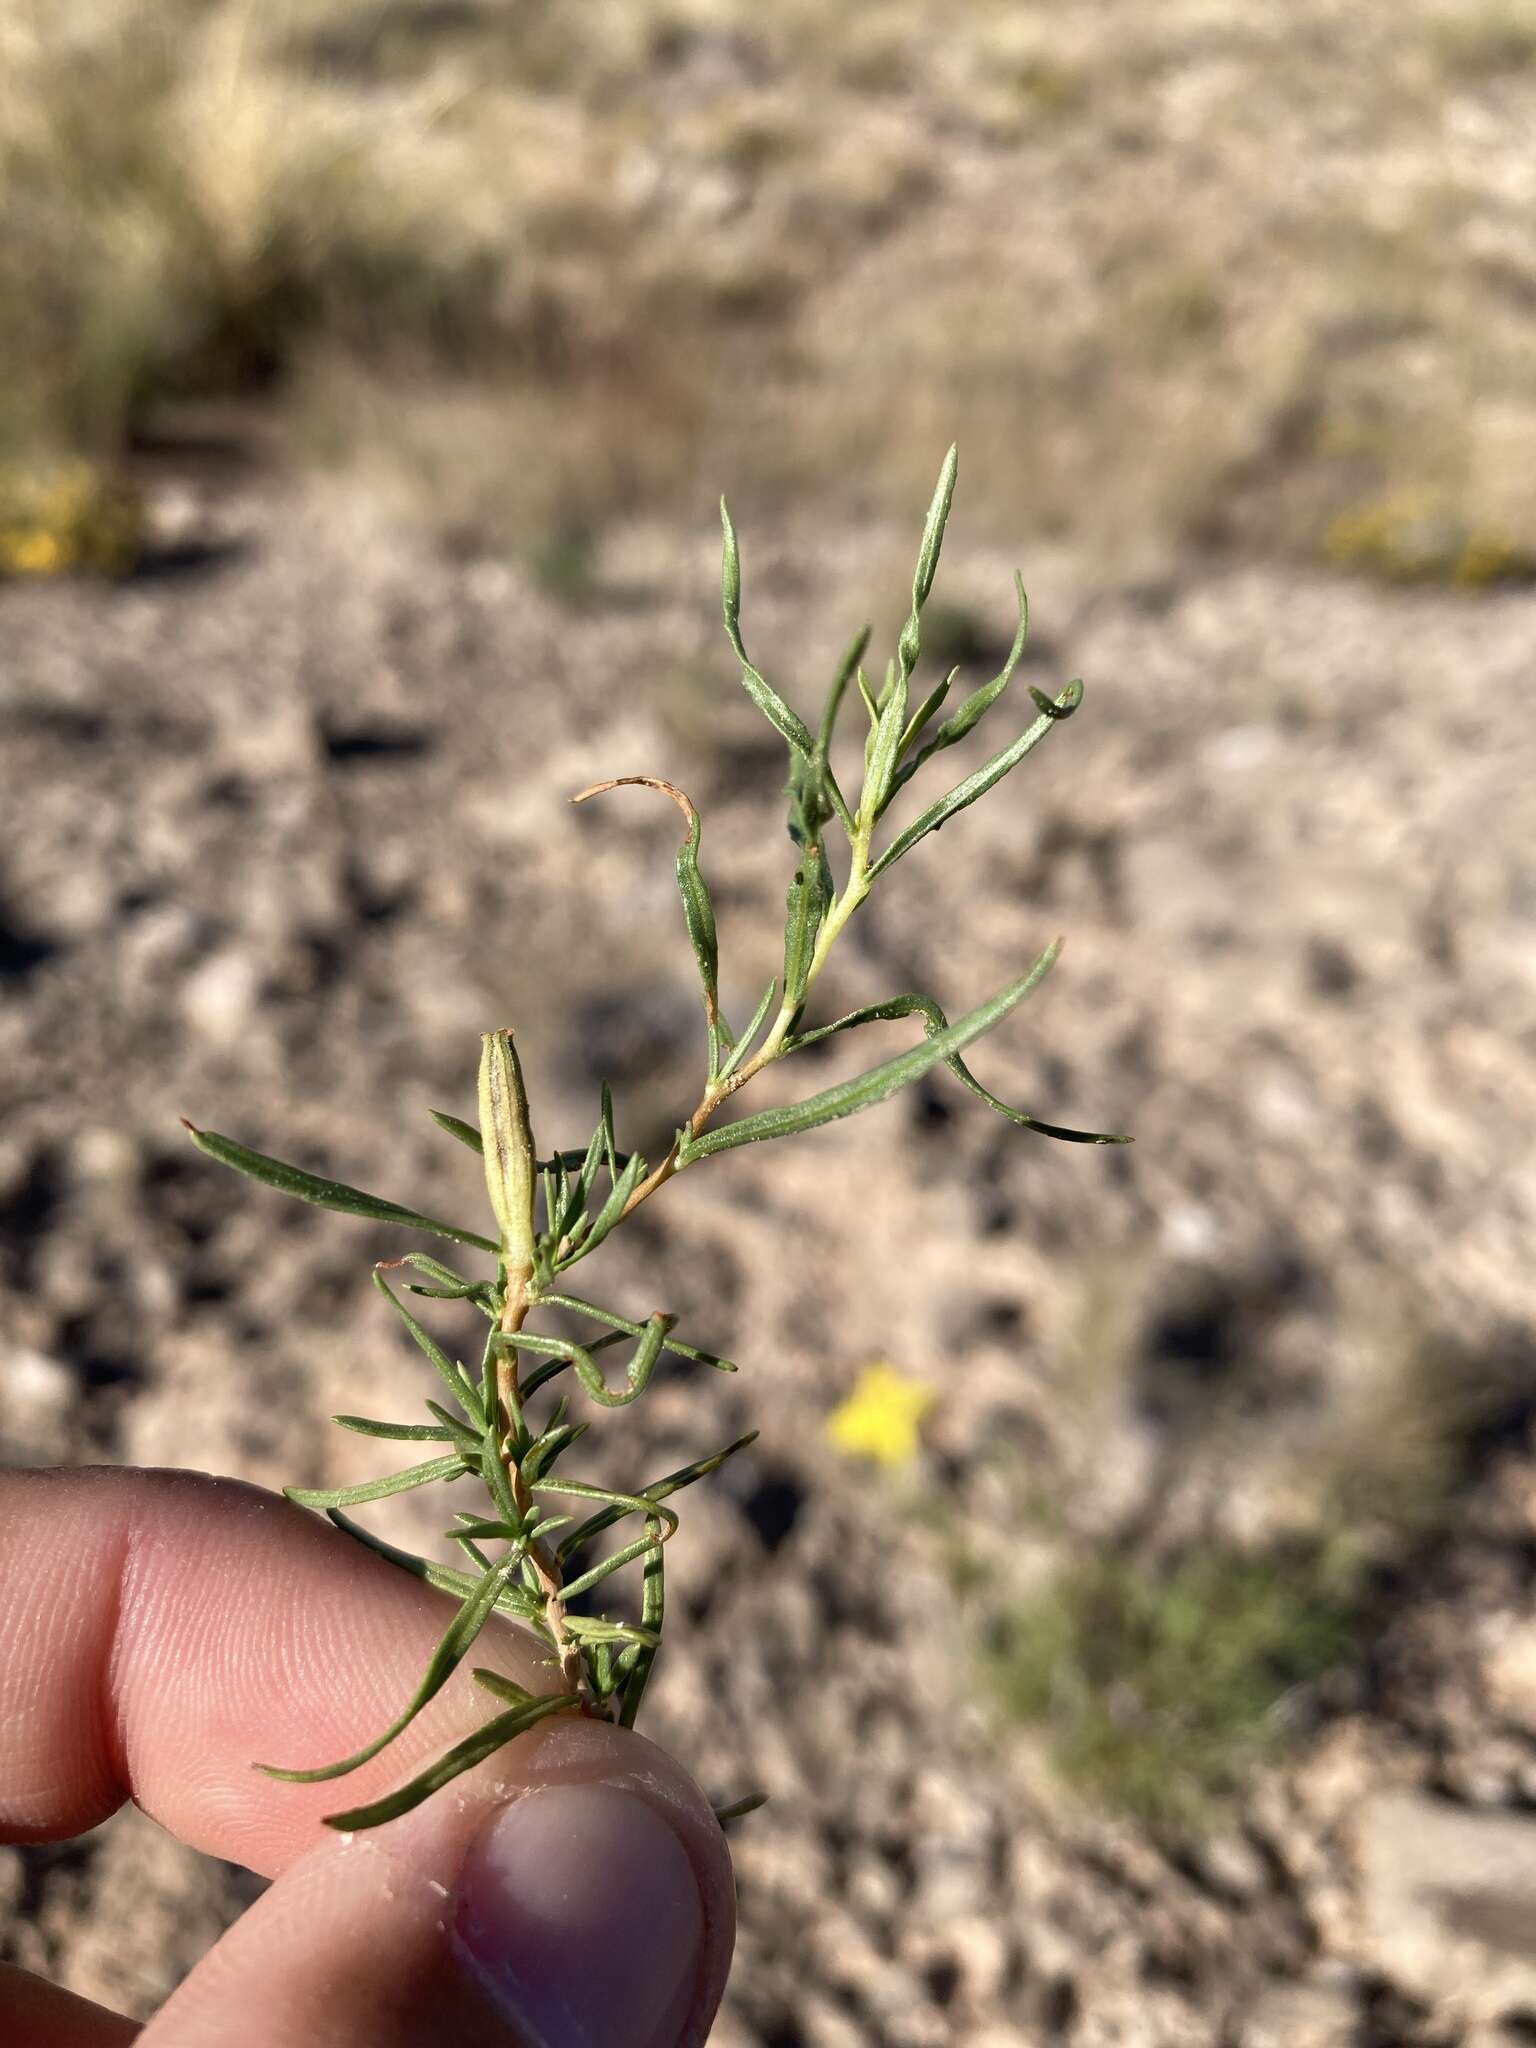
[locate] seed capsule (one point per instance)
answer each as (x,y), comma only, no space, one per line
(507,1142)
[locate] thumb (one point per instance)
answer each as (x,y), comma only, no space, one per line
(578,1897)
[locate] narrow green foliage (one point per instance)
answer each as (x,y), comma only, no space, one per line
(464,1756)
(974,786)
(790,727)
(325,1194)
(506,1424)
(865,1090)
(376,1489)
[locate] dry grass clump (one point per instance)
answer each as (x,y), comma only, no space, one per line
(174,223)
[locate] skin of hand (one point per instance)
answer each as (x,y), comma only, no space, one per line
(163,1629)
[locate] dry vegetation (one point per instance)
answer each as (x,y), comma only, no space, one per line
(1231,275)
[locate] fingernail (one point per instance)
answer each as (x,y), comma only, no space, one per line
(578,1912)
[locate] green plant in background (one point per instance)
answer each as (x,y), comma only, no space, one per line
(505,1425)
(1159,1684)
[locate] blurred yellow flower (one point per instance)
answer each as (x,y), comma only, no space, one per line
(879,1419)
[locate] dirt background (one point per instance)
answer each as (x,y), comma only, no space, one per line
(1231,310)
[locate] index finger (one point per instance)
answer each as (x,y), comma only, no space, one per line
(164,1630)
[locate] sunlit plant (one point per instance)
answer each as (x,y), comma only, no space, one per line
(507,1424)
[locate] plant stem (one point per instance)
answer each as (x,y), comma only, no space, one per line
(839,911)
(510,1172)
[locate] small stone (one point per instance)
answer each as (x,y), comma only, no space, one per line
(219,995)
(1449,1902)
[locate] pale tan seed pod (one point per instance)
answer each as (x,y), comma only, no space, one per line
(507,1142)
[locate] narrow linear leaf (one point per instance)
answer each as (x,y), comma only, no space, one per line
(935,1021)
(865,1090)
(443,1578)
(823,780)
(502,1688)
(743,1044)
(927,709)
(909,646)
(658,1490)
(975,707)
(325,1194)
(466,1440)
(376,1489)
(625,1326)
(740,1808)
(630,1176)
(810,894)
(653,1606)
(450,1286)
(641,1546)
(592,1628)
(454,1378)
(885,746)
(456,1127)
(497,1485)
(550,1446)
(464,1756)
(933,529)
(397,1432)
(623,1503)
(977,785)
(790,727)
(444,1661)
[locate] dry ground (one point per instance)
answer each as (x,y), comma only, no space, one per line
(294,826)
(282,825)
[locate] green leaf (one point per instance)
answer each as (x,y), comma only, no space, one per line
(885,747)
(444,1661)
(810,894)
(743,1044)
(630,1177)
(456,1127)
(935,1021)
(785,722)
(325,1194)
(910,644)
(631,1329)
(823,783)
(480,1530)
(551,1444)
(464,1756)
(503,1688)
(398,1432)
(977,785)
(975,707)
(865,1090)
(658,1490)
(454,1377)
(739,1808)
(376,1489)
(497,1484)
(641,1546)
(933,528)
(925,711)
(653,1606)
(621,1503)
(450,1286)
(511,1600)
(592,1628)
